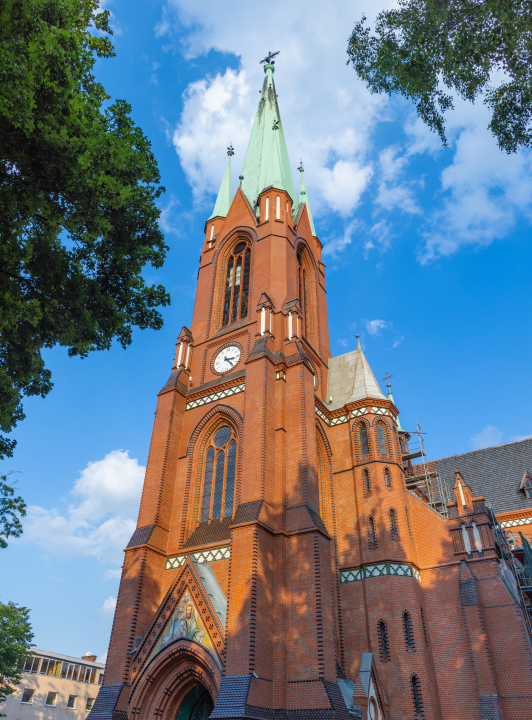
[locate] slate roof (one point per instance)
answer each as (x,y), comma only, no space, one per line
(494,472)
(350,378)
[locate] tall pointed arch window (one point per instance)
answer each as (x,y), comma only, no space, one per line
(305,292)
(219,475)
(322,481)
(363,437)
(236,287)
(416,696)
(394,526)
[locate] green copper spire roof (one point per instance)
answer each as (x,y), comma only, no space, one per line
(261,149)
(225,194)
(390,397)
(303,197)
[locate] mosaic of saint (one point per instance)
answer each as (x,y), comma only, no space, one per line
(184,623)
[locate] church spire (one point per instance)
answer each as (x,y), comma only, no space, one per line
(260,152)
(303,197)
(225,193)
(364,383)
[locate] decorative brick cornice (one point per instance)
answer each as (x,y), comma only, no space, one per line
(224,392)
(379,570)
(205,556)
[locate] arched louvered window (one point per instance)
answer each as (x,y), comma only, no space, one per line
(416,696)
(382,439)
(387,479)
(384,646)
(219,475)
(409,632)
(394,527)
(367,483)
(236,293)
(363,437)
(372,533)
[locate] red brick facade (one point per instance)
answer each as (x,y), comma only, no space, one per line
(321,563)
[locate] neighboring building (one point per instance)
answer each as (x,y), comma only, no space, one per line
(55,687)
(287,563)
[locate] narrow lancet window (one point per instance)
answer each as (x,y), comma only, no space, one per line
(363,435)
(416,696)
(409,632)
(387,480)
(367,483)
(382,441)
(465,538)
(394,527)
(384,646)
(236,292)
(372,533)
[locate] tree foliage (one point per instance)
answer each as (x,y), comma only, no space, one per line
(78,187)
(425,48)
(11,510)
(16,638)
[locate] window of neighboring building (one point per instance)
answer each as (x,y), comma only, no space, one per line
(27,696)
(90,703)
(71,704)
(382,440)
(219,475)
(50,667)
(237,284)
(363,436)
(51,699)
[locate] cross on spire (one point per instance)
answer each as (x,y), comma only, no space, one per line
(269,58)
(230,150)
(300,168)
(387,377)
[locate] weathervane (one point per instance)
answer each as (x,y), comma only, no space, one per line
(230,150)
(269,58)
(300,168)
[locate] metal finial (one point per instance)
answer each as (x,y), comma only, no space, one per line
(230,150)
(240,177)
(357,336)
(387,377)
(300,168)
(269,58)
(275,125)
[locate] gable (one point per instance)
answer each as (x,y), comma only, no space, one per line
(193,609)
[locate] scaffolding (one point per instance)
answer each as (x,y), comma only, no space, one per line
(510,551)
(423,480)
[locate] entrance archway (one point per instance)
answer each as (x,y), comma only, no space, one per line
(197,704)
(180,683)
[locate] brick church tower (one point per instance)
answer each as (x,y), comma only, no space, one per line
(281,569)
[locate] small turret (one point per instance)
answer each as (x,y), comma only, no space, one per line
(225,193)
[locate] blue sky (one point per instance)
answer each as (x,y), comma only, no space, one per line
(428,254)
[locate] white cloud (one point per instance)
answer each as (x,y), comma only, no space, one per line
(482,192)
(374,327)
(109,606)
(488,437)
(101,516)
(343,343)
(398,342)
(327,112)
(336,245)
(102,658)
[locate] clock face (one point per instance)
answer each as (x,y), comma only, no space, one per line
(227,359)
